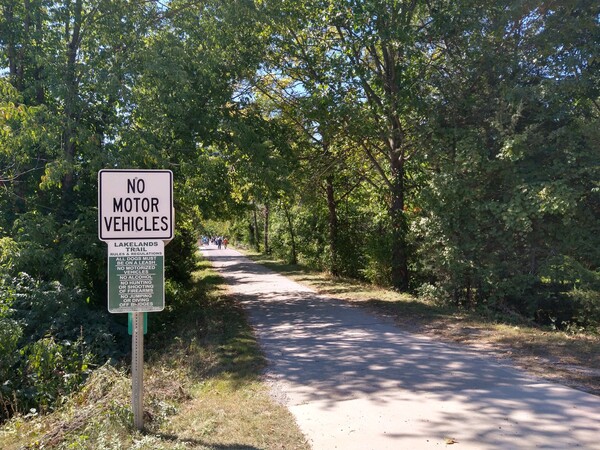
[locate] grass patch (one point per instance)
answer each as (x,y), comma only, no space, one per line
(202,388)
(567,358)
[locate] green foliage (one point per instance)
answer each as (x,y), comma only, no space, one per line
(363,238)
(497,169)
(49,250)
(10,335)
(586,308)
(87,87)
(308,228)
(51,330)
(51,370)
(378,267)
(458,140)
(50,337)
(510,217)
(180,254)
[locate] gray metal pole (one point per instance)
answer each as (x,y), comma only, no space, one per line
(137,370)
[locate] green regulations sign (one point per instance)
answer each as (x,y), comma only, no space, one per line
(136,276)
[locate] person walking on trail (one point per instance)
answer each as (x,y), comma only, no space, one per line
(219,242)
(225,242)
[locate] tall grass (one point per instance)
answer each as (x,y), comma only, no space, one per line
(202,387)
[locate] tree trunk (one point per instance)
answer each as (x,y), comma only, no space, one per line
(254,238)
(24,45)
(15,48)
(71,113)
(38,75)
(333,226)
(400,276)
(266,233)
(255,235)
(9,19)
(294,258)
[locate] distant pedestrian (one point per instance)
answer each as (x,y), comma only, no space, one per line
(225,242)
(219,242)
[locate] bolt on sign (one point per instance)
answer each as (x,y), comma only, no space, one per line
(135,204)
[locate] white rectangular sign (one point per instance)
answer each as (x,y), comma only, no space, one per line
(135,204)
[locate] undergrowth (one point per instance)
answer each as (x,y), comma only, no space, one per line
(202,388)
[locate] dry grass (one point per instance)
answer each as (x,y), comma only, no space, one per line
(225,417)
(202,390)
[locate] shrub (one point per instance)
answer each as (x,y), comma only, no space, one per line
(10,335)
(52,369)
(180,254)
(49,336)
(587,308)
(378,269)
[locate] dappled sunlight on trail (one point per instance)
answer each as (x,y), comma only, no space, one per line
(354,380)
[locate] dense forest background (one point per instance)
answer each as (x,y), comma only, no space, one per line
(449,149)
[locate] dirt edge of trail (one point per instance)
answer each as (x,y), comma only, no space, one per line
(534,352)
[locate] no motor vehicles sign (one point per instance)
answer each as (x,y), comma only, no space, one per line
(135,217)
(135,204)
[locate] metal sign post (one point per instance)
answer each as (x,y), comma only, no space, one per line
(136,219)
(137,370)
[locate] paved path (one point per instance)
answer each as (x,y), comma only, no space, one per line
(356,381)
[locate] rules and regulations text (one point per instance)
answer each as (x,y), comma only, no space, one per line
(135,276)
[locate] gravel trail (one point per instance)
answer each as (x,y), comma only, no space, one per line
(356,381)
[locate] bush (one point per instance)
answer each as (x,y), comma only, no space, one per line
(180,254)
(378,268)
(587,308)
(51,370)
(49,336)
(10,336)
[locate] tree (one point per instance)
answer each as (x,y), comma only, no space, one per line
(509,125)
(372,63)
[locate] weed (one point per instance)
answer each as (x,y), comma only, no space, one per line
(202,383)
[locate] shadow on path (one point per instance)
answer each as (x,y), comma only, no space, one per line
(333,363)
